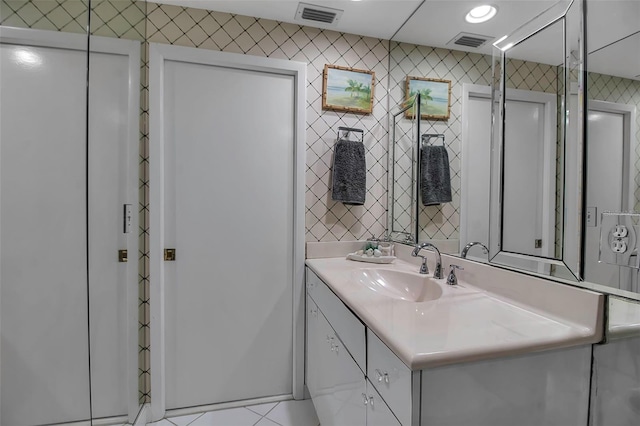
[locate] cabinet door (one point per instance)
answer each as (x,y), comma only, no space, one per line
(348,387)
(313,340)
(378,413)
(335,382)
(321,373)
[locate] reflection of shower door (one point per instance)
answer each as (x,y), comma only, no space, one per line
(44,357)
(610,183)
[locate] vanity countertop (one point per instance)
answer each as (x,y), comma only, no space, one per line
(624,319)
(466,323)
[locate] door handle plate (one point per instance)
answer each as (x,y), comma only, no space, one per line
(169,254)
(122,256)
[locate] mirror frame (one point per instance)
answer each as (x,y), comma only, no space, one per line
(572,68)
(400,113)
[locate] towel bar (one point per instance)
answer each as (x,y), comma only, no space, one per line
(348,131)
(428,136)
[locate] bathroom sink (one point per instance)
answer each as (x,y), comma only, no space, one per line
(399,285)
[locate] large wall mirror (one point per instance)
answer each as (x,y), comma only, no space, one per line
(612,145)
(537,199)
(534,213)
(451,49)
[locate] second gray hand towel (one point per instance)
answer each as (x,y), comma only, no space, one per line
(349,173)
(435,180)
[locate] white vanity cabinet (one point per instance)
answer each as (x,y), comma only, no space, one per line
(396,383)
(313,347)
(335,382)
(615,388)
(378,413)
(355,379)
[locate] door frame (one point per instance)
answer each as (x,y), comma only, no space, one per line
(630,143)
(158,54)
(549,155)
(468,91)
(130,48)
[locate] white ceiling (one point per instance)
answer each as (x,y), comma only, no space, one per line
(436,23)
(613,28)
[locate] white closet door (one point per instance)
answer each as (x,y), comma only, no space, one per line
(113,162)
(228,211)
(43,269)
(43,230)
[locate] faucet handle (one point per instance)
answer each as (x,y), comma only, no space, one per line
(452,279)
(424,269)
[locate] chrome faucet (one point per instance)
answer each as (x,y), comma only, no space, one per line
(423,268)
(466,248)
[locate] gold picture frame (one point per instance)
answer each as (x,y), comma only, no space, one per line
(347,89)
(435,97)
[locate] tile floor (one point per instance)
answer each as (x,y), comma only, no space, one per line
(285,413)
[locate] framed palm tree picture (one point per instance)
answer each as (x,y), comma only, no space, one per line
(435,97)
(347,89)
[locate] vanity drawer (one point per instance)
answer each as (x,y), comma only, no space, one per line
(392,379)
(347,326)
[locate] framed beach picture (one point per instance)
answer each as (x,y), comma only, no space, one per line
(435,97)
(347,89)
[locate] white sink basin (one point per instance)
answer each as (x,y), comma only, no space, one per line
(398,284)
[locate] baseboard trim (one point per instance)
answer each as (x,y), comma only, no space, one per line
(143,416)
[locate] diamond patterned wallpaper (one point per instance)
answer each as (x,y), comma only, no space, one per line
(55,15)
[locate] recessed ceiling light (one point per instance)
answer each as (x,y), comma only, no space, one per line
(481,14)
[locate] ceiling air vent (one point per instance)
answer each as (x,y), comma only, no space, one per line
(469,40)
(320,14)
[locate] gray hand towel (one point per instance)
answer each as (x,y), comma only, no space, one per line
(435,181)
(349,173)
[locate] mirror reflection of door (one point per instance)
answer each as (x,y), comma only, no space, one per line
(528,209)
(608,179)
(529,192)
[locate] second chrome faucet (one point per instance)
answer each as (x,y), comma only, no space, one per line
(466,248)
(424,269)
